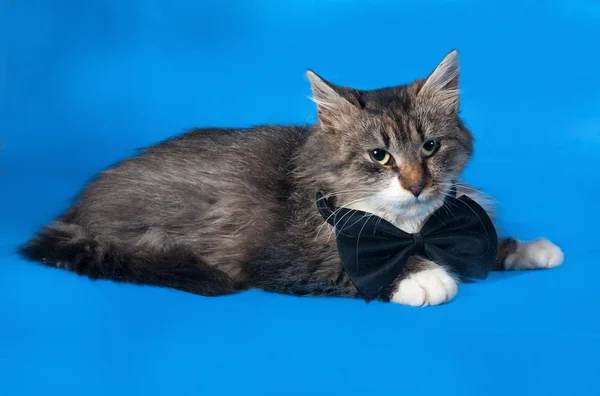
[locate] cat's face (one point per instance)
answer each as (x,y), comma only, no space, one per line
(397,150)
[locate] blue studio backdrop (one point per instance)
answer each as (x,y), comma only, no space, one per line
(85,83)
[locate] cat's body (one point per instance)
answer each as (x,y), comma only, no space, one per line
(218,211)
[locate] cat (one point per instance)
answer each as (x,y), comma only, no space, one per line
(219,211)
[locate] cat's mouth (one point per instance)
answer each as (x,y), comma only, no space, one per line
(431,197)
(422,199)
(434,193)
(416,201)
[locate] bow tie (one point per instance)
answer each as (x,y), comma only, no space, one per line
(459,235)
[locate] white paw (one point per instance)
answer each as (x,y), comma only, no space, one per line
(432,286)
(534,255)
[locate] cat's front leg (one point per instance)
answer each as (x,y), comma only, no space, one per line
(427,283)
(526,255)
(514,254)
(424,283)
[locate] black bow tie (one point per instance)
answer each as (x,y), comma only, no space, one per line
(459,235)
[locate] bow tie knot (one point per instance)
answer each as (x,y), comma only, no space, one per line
(419,244)
(459,235)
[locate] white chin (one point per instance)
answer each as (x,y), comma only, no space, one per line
(413,207)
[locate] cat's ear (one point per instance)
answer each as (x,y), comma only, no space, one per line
(337,106)
(442,83)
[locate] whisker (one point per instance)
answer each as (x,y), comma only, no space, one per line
(359,233)
(333,215)
(351,212)
(340,229)
(482,194)
(447,204)
(475,213)
(357,191)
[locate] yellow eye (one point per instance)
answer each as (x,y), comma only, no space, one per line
(429,148)
(382,157)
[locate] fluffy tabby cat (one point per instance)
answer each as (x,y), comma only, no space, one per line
(217,211)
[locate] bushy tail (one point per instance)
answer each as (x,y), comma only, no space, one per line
(68,246)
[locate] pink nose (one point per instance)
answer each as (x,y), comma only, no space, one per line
(416,189)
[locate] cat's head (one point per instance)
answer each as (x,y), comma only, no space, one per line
(393,150)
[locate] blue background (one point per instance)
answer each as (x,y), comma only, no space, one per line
(84,83)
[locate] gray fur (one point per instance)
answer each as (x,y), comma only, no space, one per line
(242,201)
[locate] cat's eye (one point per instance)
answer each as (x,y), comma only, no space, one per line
(382,157)
(429,147)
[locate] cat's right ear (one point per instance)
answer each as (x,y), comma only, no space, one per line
(442,83)
(336,108)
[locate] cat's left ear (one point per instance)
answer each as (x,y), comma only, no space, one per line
(338,106)
(442,83)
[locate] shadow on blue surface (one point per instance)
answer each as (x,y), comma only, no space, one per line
(85,83)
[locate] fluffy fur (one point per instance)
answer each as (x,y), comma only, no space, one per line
(216,211)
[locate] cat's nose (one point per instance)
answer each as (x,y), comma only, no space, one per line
(416,189)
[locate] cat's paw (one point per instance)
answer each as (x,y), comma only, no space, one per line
(431,286)
(534,255)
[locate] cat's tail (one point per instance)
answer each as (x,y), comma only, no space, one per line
(69,246)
